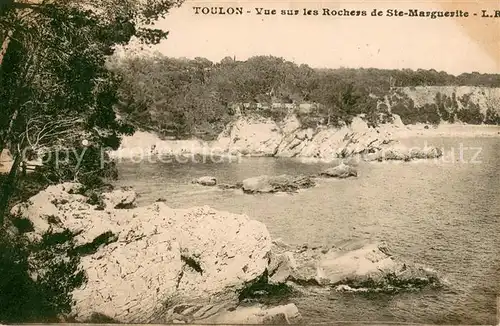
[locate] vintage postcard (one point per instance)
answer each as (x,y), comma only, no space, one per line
(249,162)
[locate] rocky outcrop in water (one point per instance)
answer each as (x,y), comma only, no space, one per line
(280,183)
(402,153)
(340,171)
(354,266)
(227,186)
(289,183)
(205,181)
(257,136)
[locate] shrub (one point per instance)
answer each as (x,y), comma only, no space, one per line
(275,114)
(91,171)
(492,117)
(471,114)
(46,295)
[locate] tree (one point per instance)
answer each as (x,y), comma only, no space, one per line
(470,114)
(54,69)
(341,100)
(492,117)
(55,90)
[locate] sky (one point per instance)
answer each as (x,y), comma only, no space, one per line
(452,45)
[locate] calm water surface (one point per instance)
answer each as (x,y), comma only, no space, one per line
(444,214)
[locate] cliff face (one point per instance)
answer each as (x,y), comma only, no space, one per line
(484,97)
(411,107)
(435,104)
(259,136)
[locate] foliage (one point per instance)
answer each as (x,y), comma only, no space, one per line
(25,297)
(89,166)
(492,117)
(55,88)
(470,114)
(55,91)
(181,97)
(171,96)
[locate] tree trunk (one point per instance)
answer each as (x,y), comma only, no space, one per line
(4,140)
(3,50)
(2,146)
(8,188)
(5,45)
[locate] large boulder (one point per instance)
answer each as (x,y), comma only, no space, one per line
(206,181)
(158,258)
(427,152)
(272,184)
(392,153)
(335,266)
(399,152)
(340,171)
(355,265)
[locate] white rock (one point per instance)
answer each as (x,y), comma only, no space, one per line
(336,265)
(340,171)
(162,256)
(251,136)
(281,267)
(206,181)
(120,199)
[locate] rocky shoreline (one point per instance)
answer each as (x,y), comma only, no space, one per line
(258,136)
(163,265)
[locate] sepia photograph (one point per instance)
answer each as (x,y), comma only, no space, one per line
(248,162)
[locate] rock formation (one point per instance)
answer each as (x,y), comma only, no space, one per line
(402,153)
(254,136)
(167,265)
(341,171)
(162,257)
(206,181)
(258,136)
(353,266)
(272,184)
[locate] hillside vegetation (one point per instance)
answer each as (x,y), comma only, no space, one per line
(183,97)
